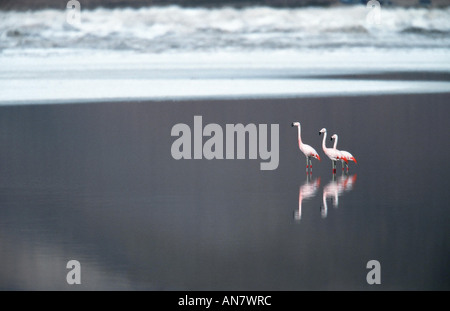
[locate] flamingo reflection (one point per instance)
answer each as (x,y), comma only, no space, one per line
(334,189)
(349,182)
(306,191)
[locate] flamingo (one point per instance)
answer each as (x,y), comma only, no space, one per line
(306,191)
(307,150)
(346,154)
(331,153)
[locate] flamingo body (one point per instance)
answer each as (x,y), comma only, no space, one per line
(309,151)
(335,155)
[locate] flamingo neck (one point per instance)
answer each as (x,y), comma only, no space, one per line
(299,136)
(323,141)
(335,142)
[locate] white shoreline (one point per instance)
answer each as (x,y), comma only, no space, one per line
(80,76)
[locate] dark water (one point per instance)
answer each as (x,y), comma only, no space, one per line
(97,183)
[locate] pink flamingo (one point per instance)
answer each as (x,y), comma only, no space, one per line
(346,154)
(333,154)
(307,150)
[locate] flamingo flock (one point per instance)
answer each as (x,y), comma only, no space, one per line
(333,154)
(335,188)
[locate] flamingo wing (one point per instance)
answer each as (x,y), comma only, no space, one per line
(349,156)
(334,154)
(310,151)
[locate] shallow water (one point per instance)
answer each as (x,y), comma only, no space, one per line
(97,183)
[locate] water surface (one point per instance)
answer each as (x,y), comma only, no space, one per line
(97,183)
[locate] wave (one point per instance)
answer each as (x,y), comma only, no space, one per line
(160,29)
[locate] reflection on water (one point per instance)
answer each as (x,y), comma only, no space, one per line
(307,191)
(334,189)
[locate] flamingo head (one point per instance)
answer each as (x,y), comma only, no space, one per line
(324,130)
(295,124)
(334,137)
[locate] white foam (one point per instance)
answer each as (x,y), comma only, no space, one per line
(158,29)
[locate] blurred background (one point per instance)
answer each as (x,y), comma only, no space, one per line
(134,42)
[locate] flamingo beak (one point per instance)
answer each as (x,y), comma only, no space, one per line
(292,124)
(320,133)
(331,138)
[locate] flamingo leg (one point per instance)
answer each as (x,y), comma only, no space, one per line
(310,164)
(306,163)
